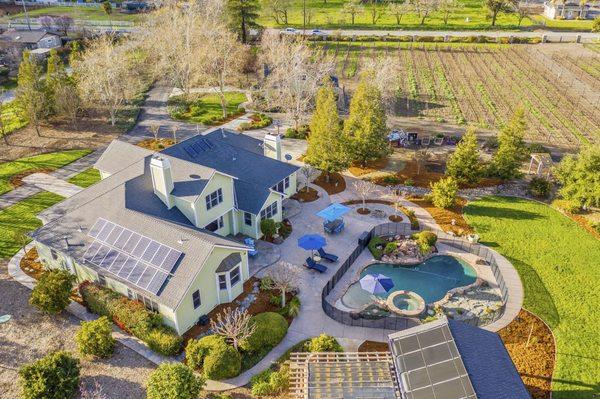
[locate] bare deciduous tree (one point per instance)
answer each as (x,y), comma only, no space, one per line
(363,189)
(283,278)
(108,75)
(155,130)
(278,9)
(420,157)
(353,8)
(234,325)
(376,11)
(387,77)
(296,71)
(447,8)
(67,101)
(398,10)
(396,195)
(423,8)
(174,130)
(308,173)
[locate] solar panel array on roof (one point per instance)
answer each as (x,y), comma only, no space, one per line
(429,365)
(131,256)
(198,147)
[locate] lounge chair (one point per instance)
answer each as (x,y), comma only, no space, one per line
(326,256)
(438,141)
(425,141)
(311,264)
(250,242)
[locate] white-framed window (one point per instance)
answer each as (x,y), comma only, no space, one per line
(247,218)
(213,199)
(282,185)
(196,299)
(234,276)
(269,211)
(222,281)
(215,224)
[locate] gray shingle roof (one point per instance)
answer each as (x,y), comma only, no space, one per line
(119,155)
(26,36)
(250,198)
(127,198)
(229,262)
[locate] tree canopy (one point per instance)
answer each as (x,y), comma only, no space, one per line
(242,16)
(511,148)
(580,177)
(463,164)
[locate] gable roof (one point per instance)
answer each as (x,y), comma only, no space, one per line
(119,155)
(229,262)
(26,36)
(127,198)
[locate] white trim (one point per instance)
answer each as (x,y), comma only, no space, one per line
(218,289)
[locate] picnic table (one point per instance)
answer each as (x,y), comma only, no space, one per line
(333,226)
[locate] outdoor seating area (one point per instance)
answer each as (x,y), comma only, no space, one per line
(333,222)
(403,139)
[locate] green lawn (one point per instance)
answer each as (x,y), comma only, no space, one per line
(473,16)
(86,178)
(559,264)
(50,161)
(19,219)
(205,108)
(10,84)
(13,118)
(87,13)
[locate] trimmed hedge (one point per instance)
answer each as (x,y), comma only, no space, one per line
(94,338)
(174,381)
(197,349)
(132,317)
(270,328)
(55,376)
(222,362)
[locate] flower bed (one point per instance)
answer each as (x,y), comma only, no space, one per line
(132,317)
(257,121)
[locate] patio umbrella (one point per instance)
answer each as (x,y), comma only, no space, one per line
(311,241)
(333,212)
(376,283)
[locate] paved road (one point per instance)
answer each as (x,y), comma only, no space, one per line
(53,184)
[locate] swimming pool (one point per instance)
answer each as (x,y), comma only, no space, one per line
(431,279)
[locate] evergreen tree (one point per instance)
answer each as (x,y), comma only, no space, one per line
(326,144)
(443,192)
(31,91)
(464,163)
(242,15)
(580,177)
(75,54)
(511,148)
(366,127)
(55,75)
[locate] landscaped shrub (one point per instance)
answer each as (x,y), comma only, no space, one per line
(376,245)
(257,121)
(425,240)
(94,338)
(302,132)
(51,293)
(567,206)
(540,187)
(292,308)
(270,328)
(197,349)
(131,316)
(55,376)
(222,362)
(324,343)
(443,192)
(174,381)
(268,227)
(270,382)
(390,247)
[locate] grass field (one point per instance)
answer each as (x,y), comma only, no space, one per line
(482,85)
(12,117)
(47,162)
(19,219)
(86,178)
(559,265)
(473,16)
(205,108)
(81,13)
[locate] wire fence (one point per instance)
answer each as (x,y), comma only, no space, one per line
(395,322)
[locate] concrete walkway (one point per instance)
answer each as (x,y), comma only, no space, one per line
(47,182)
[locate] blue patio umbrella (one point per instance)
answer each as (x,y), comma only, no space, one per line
(311,241)
(333,212)
(376,283)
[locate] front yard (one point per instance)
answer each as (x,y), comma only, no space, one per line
(559,265)
(206,108)
(86,178)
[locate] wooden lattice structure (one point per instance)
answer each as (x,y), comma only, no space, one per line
(540,164)
(343,375)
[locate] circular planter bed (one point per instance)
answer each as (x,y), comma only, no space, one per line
(363,211)
(395,218)
(306,195)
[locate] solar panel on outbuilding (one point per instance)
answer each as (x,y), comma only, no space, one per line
(140,260)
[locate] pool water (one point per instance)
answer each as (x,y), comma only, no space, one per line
(406,302)
(431,279)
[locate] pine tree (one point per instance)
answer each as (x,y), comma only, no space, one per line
(464,164)
(511,148)
(366,127)
(326,144)
(31,91)
(242,15)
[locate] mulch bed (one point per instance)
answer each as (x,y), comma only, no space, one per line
(535,362)
(156,145)
(444,217)
(395,218)
(30,266)
(412,219)
(260,305)
(370,167)
(372,346)
(363,211)
(584,222)
(335,185)
(306,195)
(17,180)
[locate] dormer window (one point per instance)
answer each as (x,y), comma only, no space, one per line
(213,199)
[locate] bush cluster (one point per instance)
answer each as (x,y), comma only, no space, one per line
(214,357)
(374,246)
(268,227)
(133,317)
(270,382)
(292,308)
(51,293)
(270,328)
(257,121)
(324,343)
(540,187)
(302,132)
(55,376)
(426,240)
(174,381)
(94,338)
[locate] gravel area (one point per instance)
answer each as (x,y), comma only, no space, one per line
(30,335)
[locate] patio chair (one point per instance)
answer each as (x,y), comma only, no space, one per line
(333,226)
(311,264)
(425,141)
(327,256)
(438,140)
(250,242)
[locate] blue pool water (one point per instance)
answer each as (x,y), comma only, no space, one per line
(431,279)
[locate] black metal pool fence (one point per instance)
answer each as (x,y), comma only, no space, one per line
(393,322)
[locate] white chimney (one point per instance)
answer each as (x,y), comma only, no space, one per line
(272,146)
(162,179)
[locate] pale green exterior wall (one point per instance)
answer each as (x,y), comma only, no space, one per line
(210,295)
(291,190)
(251,231)
(185,207)
(225,183)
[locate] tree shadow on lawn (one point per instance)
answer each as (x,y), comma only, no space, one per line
(475,209)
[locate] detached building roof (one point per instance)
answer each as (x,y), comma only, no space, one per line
(26,36)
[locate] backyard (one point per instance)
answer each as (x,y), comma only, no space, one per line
(473,15)
(558,264)
(482,84)
(205,108)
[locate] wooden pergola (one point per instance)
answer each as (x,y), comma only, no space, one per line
(343,375)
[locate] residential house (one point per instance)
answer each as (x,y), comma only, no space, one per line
(31,39)
(158,227)
(571,10)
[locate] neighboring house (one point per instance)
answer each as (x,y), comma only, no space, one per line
(31,39)
(570,10)
(441,359)
(154,228)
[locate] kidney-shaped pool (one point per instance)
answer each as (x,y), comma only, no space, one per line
(431,279)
